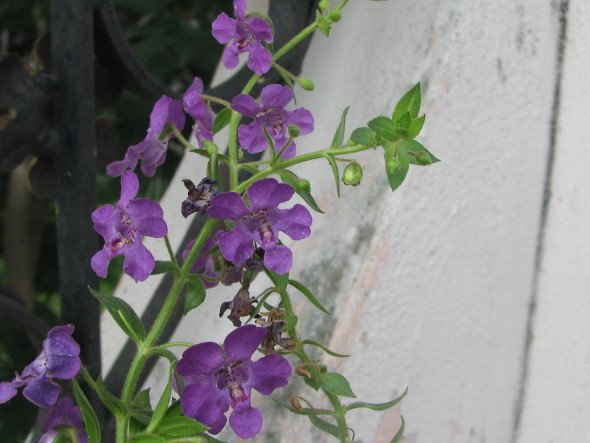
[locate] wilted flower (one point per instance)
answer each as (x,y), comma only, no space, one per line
(122,228)
(201,113)
(219,377)
(261,223)
(270,114)
(199,196)
(64,413)
(59,359)
(242,305)
(152,150)
(244,34)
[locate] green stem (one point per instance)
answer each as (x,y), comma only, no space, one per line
(212,99)
(182,139)
(183,344)
(170,250)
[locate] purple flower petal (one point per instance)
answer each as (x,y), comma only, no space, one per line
(278,259)
(204,403)
(166,110)
(7,391)
(143,208)
(62,353)
(260,58)
(246,423)
(269,373)
(104,219)
(252,137)
(42,392)
(241,343)
(260,28)
(237,246)
(216,427)
(151,226)
(117,168)
(245,105)
(202,359)
(294,222)
(287,153)
(223,28)
(227,206)
(139,262)
(240,8)
(276,96)
(268,193)
(302,118)
(100,263)
(129,188)
(230,57)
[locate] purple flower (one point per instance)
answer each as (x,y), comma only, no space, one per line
(260,223)
(122,228)
(199,111)
(270,113)
(219,377)
(152,150)
(64,413)
(205,263)
(58,359)
(245,35)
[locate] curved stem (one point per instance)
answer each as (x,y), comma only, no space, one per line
(213,99)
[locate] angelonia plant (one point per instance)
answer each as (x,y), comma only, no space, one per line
(245,222)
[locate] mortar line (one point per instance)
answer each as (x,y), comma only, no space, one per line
(539,251)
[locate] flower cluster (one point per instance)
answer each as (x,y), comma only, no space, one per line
(64,413)
(59,359)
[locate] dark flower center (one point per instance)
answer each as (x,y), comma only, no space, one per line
(258,221)
(275,121)
(127,233)
(246,37)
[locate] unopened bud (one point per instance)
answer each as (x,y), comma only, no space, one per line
(335,16)
(296,403)
(391,165)
(306,83)
(324,5)
(294,131)
(303,185)
(423,158)
(353,174)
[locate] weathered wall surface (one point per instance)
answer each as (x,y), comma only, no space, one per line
(431,286)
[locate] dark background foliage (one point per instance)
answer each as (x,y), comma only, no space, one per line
(173,39)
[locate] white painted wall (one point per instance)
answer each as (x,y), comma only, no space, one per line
(431,286)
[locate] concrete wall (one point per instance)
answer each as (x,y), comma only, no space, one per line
(432,287)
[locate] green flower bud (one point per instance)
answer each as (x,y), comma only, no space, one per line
(335,16)
(423,158)
(391,165)
(353,174)
(294,131)
(303,185)
(324,5)
(306,83)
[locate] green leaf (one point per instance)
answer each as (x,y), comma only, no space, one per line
(295,182)
(88,414)
(114,405)
(143,438)
(284,75)
(279,280)
(141,408)
(410,102)
(398,435)
(336,384)
(290,322)
(414,150)
(377,406)
(222,119)
(384,127)
(396,176)
(323,24)
(324,348)
(311,383)
(415,127)
(335,171)
(304,411)
(308,295)
(123,314)
(325,426)
(364,137)
(404,121)
(195,295)
(163,267)
(180,427)
(162,406)
(339,135)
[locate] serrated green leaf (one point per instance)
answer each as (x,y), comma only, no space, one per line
(122,313)
(339,135)
(364,137)
(324,348)
(325,426)
(335,171)
(279,280)
(195,295)
(180,427)
(88,414)
(222,119)
(384,127)
(162,406)
(415,127)
(398,435)
(413,150)
(163,267)
(410,102)
(336,384)
(308,295)
(377,406)
(294,181)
